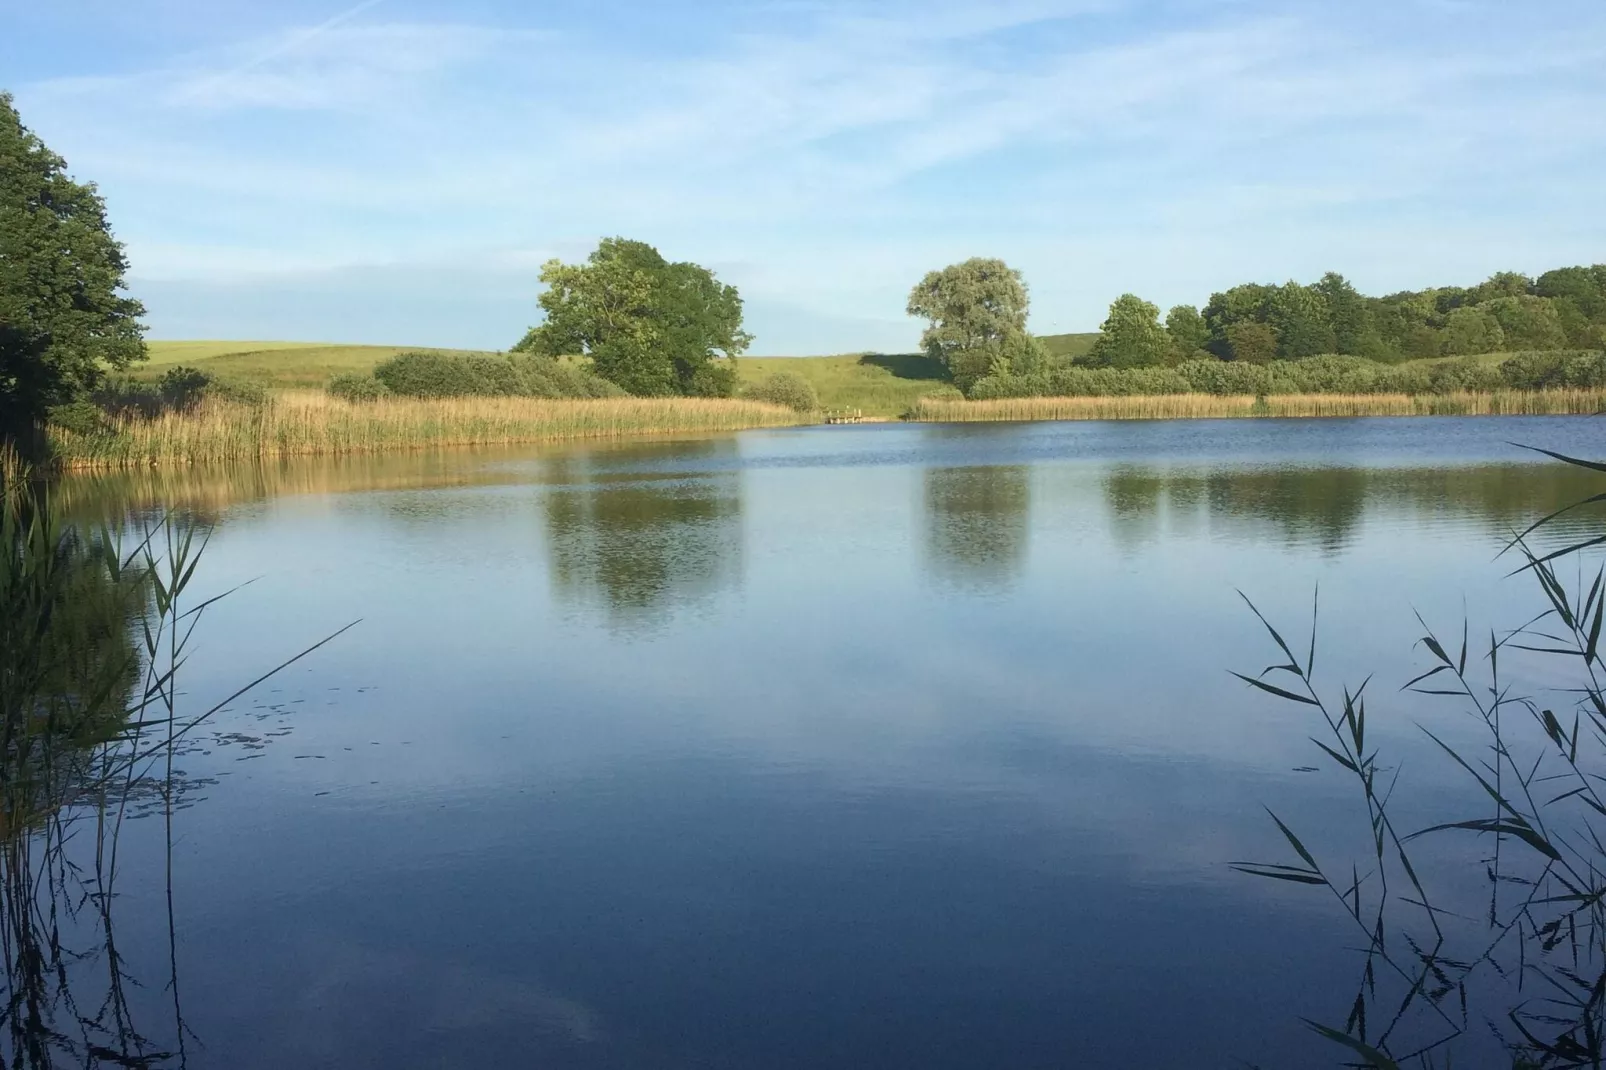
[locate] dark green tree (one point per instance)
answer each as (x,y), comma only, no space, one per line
(1501,284)
(1528,322)
(63,318)
(1585,287)
(1300,316)
(1188,330)
(1131,336)
(976,311)
(1252,342)
(1238,305)
(1354,328)
(653,327)
(1470,330)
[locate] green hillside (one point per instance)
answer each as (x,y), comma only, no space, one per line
(877,383)
(275,364)
(1070,346)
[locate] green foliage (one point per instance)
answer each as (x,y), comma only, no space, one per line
(1330,374)
(63,321)
(976,311)
(786,388)
(1188,330)
(1470,330)
(1584,287)
(1131,336)
(653,327)
(181,388)
(81,417)
(351,386)
(1241,304)
(1528,322)
(1252,342)
(438,375)
(1303,323)
(1501,284)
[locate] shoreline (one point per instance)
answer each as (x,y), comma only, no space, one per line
(310,424)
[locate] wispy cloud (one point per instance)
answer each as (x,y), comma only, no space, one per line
(831,152)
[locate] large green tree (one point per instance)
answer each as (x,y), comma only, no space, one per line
(1300,316)
(976,311)
(1469,329)
(1528,322)
(63,317)
(1188,330)
(653,327)
(1131,336)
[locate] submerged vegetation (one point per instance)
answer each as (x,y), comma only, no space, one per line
(1525,970)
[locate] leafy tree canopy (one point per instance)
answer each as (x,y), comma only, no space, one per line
(63,318)
(976,312)
(653,327)
(1188,330)
(1131,337)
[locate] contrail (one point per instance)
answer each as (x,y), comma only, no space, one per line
(294,42)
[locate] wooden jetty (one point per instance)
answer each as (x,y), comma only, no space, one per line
(845,416)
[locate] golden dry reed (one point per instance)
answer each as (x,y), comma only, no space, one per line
(308,423)
(1208,406)
(14,471)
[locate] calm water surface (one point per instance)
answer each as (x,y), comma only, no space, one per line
(885,746)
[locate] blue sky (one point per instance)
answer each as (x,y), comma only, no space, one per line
(396,171)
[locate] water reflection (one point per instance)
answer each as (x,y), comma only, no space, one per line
(78,720)
(977,523)
(1324,507)
(642,543)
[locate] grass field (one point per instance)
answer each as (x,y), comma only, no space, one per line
(1069,345)
(1213,406)
(308,423)
(876,384)
(273,364)
(879,385)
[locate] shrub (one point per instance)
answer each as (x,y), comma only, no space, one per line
(545,377)
(438,375)
(80,417)
(239,391)
(1557,368)
(122,396)
(786,388)
(352,386)
(426,375)
(182,387)
(713,379)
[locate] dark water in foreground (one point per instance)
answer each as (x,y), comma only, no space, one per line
(902,746)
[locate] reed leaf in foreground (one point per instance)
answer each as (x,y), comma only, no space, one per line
(305,423)
(92,639)
(1212,406)
(1532,969)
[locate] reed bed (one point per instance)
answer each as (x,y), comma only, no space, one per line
(1211,406)
(308,423)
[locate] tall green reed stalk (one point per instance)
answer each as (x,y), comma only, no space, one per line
(1529,973)
(93,635)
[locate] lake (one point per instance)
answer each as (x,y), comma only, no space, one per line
(873,746)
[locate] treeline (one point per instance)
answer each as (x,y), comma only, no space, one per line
(1509,312)
(1328,374)
(977,311)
